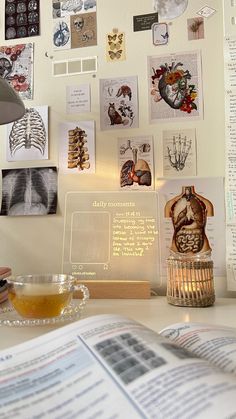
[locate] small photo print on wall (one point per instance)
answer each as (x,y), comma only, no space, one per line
(175,87)
(75,24)
(136,168)
(179,153)
(29,191)
(77,147)
(27,138)
(119,103)
(17,68)
(195,28)
(22,18)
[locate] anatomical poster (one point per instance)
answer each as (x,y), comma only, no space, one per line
(22,18)
(119,103)
(175,87)
(29,191)
(17,68)
(136,169)
(179,153)
(27,138)
(74,23)
(77,147)
(200,213)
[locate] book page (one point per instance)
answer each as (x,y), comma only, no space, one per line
(114,367)
(216,344)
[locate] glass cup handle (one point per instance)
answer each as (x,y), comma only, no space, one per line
(85,292)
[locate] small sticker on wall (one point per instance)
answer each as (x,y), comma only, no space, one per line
(206,11)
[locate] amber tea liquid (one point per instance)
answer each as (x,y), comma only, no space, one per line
(39,306)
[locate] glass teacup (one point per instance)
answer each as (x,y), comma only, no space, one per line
(45,295)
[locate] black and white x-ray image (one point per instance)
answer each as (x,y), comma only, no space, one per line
(27,138)
(29,191)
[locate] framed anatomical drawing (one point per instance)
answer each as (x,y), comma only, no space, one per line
(175,87)
(119,103)
(77,147)
(17,68)
(27,138)
(179,153)
(136,163)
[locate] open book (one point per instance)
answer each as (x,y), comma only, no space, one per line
(109,366)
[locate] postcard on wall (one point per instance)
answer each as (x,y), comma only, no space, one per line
(77,147)
(17,68)
(175,87)
(119,103)
(179,153)
(195,28)
(115,46)
(195,218)
(78,99)
(136,163)
(75,24)
(29,191)
(27,138)
(22,18)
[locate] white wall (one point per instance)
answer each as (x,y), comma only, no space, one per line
(34,244)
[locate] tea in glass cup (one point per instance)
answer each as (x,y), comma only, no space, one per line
(42,296)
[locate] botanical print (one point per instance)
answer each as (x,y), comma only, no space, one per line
(16,66)
(75,24)
(29,191)
(179,152)
(115,46)
(195,28)
(22,18)
(175,86)
(118,103)
(136,163)
(27,138)
(77,147)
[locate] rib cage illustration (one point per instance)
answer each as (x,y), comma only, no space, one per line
(29,191)
(28,132)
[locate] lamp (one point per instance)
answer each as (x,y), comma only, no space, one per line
(11,105)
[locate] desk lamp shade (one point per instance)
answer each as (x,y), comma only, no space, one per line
(11,105)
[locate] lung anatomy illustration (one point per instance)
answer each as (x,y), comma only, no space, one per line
(136,170)
(28,132)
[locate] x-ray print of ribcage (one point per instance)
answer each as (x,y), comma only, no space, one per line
(28,132)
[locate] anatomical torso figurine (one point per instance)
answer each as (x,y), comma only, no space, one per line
(189,212)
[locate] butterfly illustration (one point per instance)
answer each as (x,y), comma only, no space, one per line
(120,37)
(116,54)
(166,36)
(112,37)
(114,46)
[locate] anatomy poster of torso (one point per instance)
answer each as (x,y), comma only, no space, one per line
(212,190)
(75,23)
(17,68)
(27,138)
(136,169)
(119,103)
(175,87)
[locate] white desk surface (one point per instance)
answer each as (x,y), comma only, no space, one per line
(154,313)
